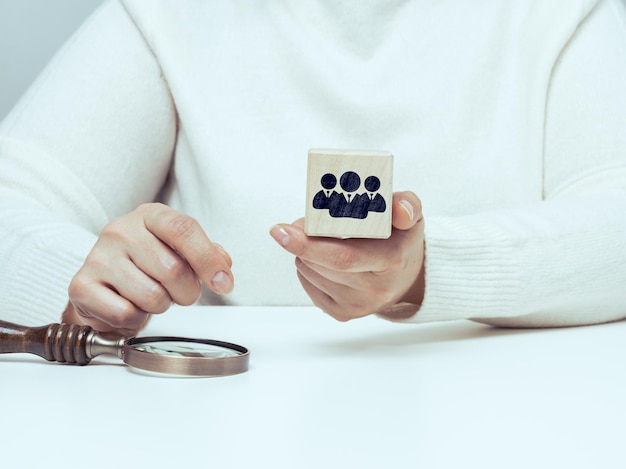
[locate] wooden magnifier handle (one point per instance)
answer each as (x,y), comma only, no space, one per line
(65,343)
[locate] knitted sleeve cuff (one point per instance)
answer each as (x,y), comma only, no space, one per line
(471,269)
(552,264)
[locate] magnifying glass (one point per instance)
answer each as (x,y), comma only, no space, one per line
(78,345)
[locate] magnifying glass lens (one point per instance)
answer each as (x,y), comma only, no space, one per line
(185,349)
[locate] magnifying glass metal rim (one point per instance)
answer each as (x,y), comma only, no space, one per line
(187,366)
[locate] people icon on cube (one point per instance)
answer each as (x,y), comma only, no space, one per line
(349,204)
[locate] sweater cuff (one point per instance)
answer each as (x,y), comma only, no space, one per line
(471,270)
(39,265)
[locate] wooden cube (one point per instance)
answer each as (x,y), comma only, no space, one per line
(349,193)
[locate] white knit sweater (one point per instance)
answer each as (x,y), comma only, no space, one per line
(507,118)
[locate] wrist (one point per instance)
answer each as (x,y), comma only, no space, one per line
(410,303)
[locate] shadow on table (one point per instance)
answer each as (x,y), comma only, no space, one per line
(420,334)
(34,360)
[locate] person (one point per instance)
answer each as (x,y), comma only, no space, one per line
(147,162)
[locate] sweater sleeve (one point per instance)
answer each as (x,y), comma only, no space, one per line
(561,261)
(98,121)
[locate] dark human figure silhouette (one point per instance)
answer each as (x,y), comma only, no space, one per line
(322,198)
(348,204)
(377,202)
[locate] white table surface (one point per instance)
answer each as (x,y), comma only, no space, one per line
(324,394)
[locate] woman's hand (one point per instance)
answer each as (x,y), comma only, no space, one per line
(141,264)
(351,278)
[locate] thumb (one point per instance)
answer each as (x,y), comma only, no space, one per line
(406,210)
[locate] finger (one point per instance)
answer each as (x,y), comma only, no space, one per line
(184,234)
(359,294)
(126,279)
(370,284)
(164,265)
(320,282)
(321,299)
(406,210)
(104,309)
(341,310)
(348,279)
(225,253)
(345,255)
(140,289)
(347,303)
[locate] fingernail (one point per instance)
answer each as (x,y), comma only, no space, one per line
(221,282)
(406,205)
(280,235)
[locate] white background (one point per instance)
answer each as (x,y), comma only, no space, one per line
(31,31)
